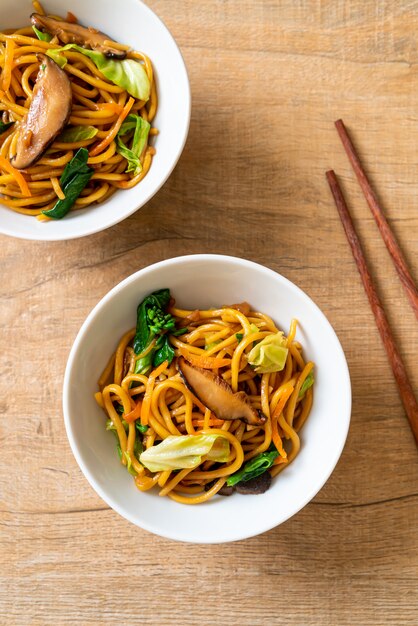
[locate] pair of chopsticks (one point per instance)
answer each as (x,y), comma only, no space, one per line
(396,362)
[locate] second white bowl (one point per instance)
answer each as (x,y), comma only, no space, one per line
(203,281)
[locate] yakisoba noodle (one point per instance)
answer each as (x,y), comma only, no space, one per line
(161,402)
(96,102)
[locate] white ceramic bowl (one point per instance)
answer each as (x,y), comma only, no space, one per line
(130,22)
(203,281)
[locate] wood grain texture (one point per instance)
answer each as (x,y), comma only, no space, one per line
(268,78)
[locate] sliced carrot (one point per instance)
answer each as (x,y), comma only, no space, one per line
(214,421)
(280,460)
(159,370)
(8,64)
(277,440)
(134,414)
(146,404)
(112,107)
(114,130)
(200,424)
(6,165)
(205,362)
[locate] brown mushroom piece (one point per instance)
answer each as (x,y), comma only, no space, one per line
(48,113)
(74,33)
(254,486)
(215,393)
(223,491)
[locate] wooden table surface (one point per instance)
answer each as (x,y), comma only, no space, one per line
(268,79)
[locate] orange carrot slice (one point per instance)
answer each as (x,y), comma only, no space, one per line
(114,130)
(205,362)
(134,414)
(112,107)
(6,165)
(277,440)
(214,421)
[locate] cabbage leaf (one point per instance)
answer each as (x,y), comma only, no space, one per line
(133,154)
(308,382)
(72,134)
(128,74)
(269,354)
(185,451)
(42,36)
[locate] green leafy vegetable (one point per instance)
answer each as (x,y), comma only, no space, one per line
(129,463)
(140,427)
(55,54)
(153,322)
(77,133)
(144,364)
(269,354)
(110,425)
(138,448)
(74,178)
(180,331)
(40,35)
(128,74)
(164,352)
(211,345)
(185,451)
(254,329)
(308,382)
(134,164)
(4,126)
(253,468)
(152,319)
(133,154)
(128,124)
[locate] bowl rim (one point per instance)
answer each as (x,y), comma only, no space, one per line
(118,217)
(347,393)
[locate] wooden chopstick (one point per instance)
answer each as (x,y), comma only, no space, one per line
(385,230)
(398,367)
